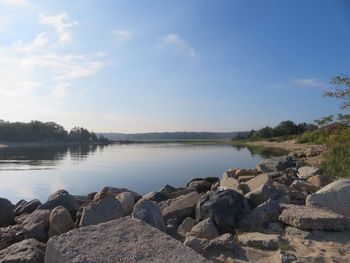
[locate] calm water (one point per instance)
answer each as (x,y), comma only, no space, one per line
(37,172)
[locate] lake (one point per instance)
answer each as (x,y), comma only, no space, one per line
(36,172)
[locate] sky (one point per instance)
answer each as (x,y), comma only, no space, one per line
(185,65)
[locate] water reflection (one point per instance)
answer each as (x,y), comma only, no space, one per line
(43,157)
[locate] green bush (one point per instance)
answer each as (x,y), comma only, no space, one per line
(337,161)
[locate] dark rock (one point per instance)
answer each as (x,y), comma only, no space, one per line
(226,208)
(261,194)
(36,225)
(304,186)
(275,164)
(82,199)
(26,251)
(320,180)
(101,211)
(7,216)
(149,212)
(156,196)
(10,235)
(212,180)
(27,207)
(61,198)
(186,226)
(200,186)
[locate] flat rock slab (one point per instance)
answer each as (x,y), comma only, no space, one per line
(123,240)
(304,217)
(260,240)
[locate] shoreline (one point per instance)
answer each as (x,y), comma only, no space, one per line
(47,144)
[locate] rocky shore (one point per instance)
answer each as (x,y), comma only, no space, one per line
(283,210)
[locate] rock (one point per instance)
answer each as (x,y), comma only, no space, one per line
(156,196)
(60,221)
(275,164)
(335,196)
(36,225)
(109,191)
(226,208)
(186,226)
(180,207)
(259,240)
(229,182)
(167,189)
(171,229)
(246,172)
(82,199)
(200,186)
(261,194)
(197,244)
(307,171)
(312,218)
(245,178)
(27,207)
(205,229)
(258,181)
(61,198)
(127,201)
(304,186)
(215,186)
(293,232)
(26,251)
(261,215)
(123,240)
(222,243)
(7,216)
(10,235)
(101,211)
(319,180)
(149,212)
(20,219)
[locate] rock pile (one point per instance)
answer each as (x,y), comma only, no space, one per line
(250,212)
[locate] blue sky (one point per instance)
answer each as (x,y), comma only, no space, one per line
(138,66)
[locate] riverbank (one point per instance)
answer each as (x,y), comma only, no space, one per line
(271,213)
(47,144)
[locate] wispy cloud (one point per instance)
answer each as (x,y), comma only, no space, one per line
(62,23)
(176,41)
(41,40)
(122,36)
(309,82)
(15,3)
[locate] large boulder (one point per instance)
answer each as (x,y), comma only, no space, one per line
(61,198)
(260,180)
(60,221)
(10,235)
(205,229)
(275,164)
(180,207)
(27,207)
(149,212)
(7,216)
(311,218)
(26,251)
(335,196)
(261,215)
(101,211)
(226,208)
(127,201)
(123,240)
(36,225)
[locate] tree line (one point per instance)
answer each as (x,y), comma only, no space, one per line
(37,131)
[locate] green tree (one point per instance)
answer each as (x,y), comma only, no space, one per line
(343,94)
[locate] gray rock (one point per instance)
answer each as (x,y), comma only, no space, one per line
(156,196)
(259,240)
(197,244)
(109,191)
(101,211)
(180,207)
(335,196)
(307,171)
(226,208)
(319,180)
(26,251)
(312,218)
(222,243)
(229,182)
(304,186)
(127,201)
(275,164)
(7,216)
(201,186)
(36,225)
(261,194)
(61,198)
(27,207)
(293,232)
(10,235)
(205,229)
(60,221)
(124,240)
(261,215)
(258,181)
(149,212)
(186,226)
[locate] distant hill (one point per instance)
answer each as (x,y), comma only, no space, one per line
(172,136)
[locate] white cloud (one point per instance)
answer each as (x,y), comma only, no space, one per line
(178,42)
(16,3)
(40,41)
(309,82)
(61,23)
(122,36)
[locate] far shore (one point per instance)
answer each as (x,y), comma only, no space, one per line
(44,144)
